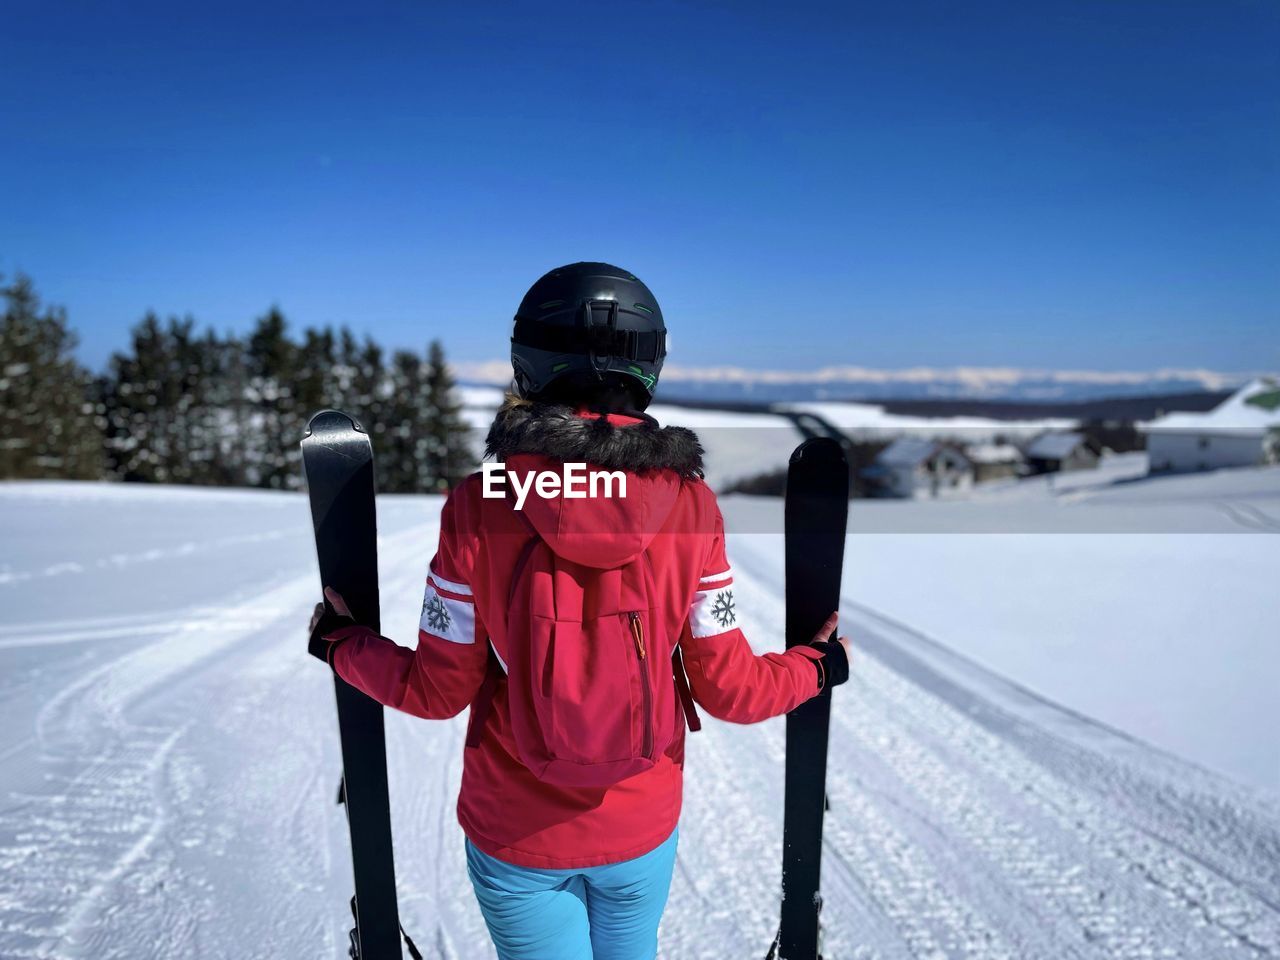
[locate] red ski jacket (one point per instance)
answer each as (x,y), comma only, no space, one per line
(669,512)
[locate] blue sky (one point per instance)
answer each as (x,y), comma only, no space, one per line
(1091,184)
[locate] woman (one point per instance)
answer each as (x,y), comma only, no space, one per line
(580,630)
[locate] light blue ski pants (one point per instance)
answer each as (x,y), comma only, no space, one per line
(594,913)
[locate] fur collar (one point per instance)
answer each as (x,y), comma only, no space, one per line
(523,426)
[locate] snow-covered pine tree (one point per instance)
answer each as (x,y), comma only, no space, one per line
(182,407)
(216,445)
(399,466)
(448,456)
(342,378)
(155,402)
(274,423)
(179,397)
(420,441)
(314,386)
(369,388)
(47,423)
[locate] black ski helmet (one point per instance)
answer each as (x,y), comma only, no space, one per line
(589,323)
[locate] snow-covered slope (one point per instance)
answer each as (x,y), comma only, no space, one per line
(738,445)
(168,756)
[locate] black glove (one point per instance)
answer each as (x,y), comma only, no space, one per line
(833,668)
(329,621)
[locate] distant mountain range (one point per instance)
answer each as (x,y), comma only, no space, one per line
(740,385)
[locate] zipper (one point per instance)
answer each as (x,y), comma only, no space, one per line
(637,634)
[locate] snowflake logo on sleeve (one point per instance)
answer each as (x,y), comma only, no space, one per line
(723,609)
(437,614)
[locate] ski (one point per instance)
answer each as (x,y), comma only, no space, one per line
(816,515)
(337,460)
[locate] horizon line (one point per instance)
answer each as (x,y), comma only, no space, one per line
(973,377)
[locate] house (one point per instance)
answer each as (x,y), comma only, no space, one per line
(1060,450)
(995,461)
(1242,431)
(915,467)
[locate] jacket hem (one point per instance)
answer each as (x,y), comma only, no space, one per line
(524,858)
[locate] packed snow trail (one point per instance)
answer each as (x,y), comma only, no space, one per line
(169,761)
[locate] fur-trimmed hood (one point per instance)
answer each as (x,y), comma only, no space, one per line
(550,430)
(597,531)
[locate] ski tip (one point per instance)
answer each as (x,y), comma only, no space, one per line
(328,420)
(819,450)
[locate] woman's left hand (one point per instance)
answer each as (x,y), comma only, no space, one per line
(339,607)
(325,620)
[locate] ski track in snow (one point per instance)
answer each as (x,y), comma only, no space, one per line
(174,797)
(89,857)
(152,555)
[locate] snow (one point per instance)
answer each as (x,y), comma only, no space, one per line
(473,396)
(1164,636)
(1147,605)
(478,404)
(1112,469)
(1253,409)
(737,445)
(168,755)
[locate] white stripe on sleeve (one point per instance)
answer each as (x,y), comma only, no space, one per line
(446,617)
(451,586)
(714,610)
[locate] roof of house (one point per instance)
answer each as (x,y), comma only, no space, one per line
(907,452)
(913,451)
(1253,409)
(1056,445)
